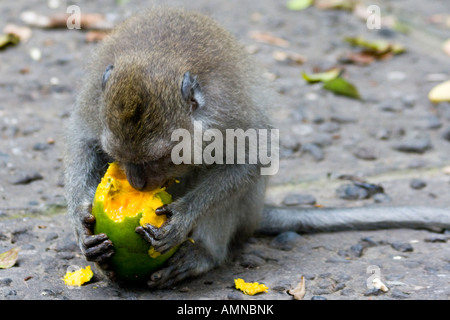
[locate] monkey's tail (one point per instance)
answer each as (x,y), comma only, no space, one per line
(277,219)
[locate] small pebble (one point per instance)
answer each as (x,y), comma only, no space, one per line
(351,192)
(365,153)
(433,122)
(417,184)
(285,241)
(339,286)
(396,293)
(413,146)
(402,246)
(309,276)
(318,298)
(314,150)
(373,292)
(325,275)
(347,292)
(5,282)
(390,106)
(409,100)
(381,198)
(40,146)
(356,250)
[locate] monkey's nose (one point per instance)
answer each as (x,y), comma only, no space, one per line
(137,182)
(136,176)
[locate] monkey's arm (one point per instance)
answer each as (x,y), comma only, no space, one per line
(276,220)
(85,164)
(215,187)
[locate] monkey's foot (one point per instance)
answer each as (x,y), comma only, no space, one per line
(189,261)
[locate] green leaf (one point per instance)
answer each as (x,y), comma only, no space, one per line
(322,76)
(377,46)
(8,39)
(8,258)
(297,5)
(341,86)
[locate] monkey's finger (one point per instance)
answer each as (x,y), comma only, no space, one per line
(91,241)
(163,210)
(101,259)
(149,232)
(144,234)
(100,252)
(88,221)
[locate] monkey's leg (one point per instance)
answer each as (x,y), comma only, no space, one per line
(85,164)
(209,248)
(233,219)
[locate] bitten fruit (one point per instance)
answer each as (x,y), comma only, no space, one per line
(118,209)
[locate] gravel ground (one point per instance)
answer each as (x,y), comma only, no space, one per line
(393,137)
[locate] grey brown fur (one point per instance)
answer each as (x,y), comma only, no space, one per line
(131,121)
(129,117)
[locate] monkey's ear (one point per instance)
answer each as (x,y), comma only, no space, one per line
(106,75)
(191,92)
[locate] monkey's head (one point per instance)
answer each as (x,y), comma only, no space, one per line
(143,105)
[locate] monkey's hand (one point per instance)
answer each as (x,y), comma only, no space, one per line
(96,247)
(173,232)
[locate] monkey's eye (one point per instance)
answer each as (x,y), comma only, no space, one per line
(106,75)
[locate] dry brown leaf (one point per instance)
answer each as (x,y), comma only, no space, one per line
(290,57)
(60,20)
(299,291)
(335,4)
(9,258)
(24,33)
(268,38)
(359,58)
